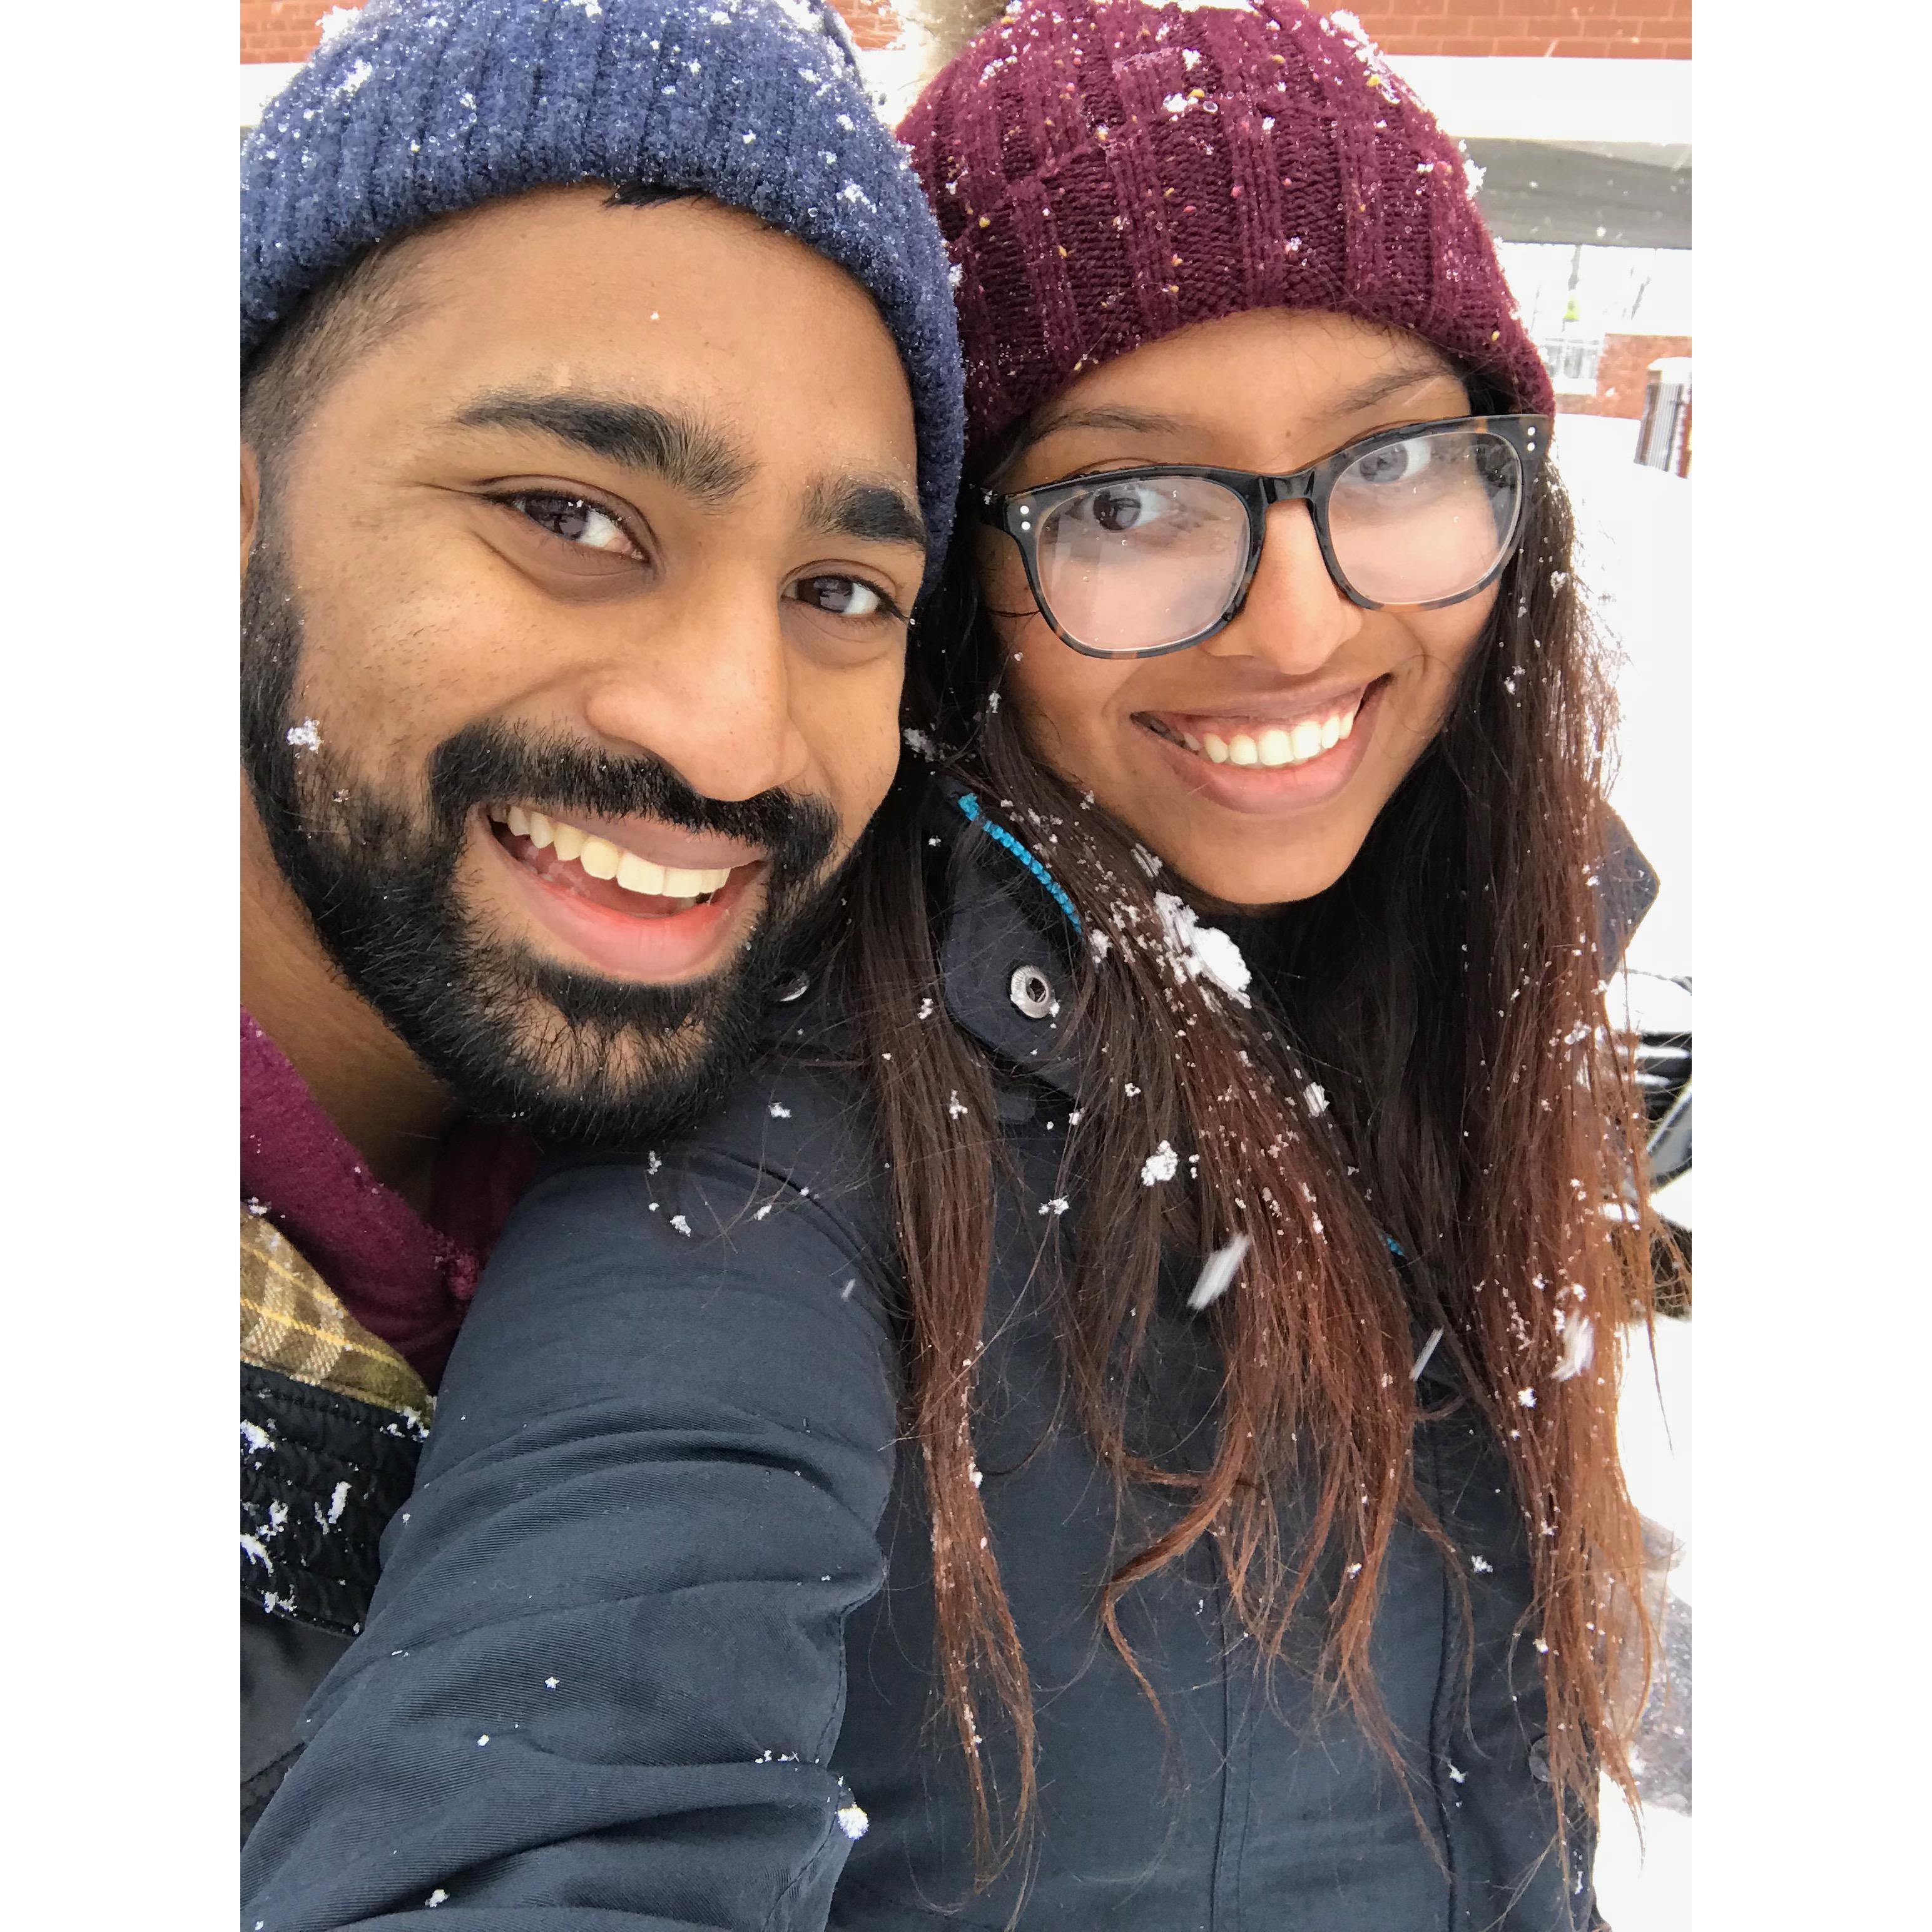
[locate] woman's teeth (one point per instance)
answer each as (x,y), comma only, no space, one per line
(1277,745)
(603,860)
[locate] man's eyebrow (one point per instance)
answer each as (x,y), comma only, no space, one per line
(689,455)
(867,509)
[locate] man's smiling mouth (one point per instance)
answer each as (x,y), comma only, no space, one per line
(1271,743)
(605,874)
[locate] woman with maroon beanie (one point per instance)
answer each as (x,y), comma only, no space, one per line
(1112,1424)
(1260,649)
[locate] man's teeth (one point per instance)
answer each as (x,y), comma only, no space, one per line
(1278,744)
(603,860)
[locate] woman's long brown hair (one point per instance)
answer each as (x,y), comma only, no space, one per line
(1446,998)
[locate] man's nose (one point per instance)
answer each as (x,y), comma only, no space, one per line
(1296,618)
(704,683)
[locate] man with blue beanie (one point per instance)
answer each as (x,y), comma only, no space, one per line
(600,423)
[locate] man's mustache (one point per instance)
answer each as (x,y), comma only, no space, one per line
(489,764)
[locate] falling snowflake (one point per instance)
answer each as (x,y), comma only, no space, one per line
(306,736)
(1422,1360)
(1579,1345)
(1217,1272)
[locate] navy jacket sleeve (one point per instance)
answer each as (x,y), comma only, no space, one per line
(604,1668)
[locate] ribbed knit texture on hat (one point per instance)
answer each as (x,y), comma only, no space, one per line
(1106,172)
(418,108)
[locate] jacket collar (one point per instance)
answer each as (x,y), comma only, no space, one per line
(1008,941)
(1007,948)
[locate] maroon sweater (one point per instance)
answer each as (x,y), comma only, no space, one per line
(405,1278)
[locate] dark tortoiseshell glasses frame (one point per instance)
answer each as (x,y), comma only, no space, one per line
(1021,513)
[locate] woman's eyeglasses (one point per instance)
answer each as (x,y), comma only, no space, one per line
(1134,563)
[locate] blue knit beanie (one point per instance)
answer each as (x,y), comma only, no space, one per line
(414,109)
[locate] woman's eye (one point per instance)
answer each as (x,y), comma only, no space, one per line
(1121,507)
(841,596)
(1394,462)
(575,521)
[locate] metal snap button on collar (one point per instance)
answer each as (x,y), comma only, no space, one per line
(1032,991)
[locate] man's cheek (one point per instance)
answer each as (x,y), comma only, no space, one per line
(857,745)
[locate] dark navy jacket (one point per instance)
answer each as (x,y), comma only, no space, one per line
(653,1638)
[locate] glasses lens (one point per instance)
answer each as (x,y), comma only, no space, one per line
(1427,518)
(1131,563)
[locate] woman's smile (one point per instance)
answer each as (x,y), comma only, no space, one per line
(1265,757)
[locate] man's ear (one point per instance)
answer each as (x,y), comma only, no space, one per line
(251,504)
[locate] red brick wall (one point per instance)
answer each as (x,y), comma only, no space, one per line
(1570,29)
(281,30)
(286,30)
(872,22)
(1623,375)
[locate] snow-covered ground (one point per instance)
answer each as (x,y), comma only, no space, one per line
(1634,528)
(1646,1888)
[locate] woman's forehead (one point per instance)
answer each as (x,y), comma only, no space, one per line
(1311,361)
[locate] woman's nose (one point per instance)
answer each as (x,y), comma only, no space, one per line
(1295,618)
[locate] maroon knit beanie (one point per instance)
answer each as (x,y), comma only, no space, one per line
(1106,171)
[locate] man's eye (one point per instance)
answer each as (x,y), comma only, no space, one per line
(575,521)
(842,596)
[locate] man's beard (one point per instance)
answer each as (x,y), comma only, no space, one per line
(568,1055)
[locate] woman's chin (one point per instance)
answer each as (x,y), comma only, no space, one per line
(1249,890)
(1252,898)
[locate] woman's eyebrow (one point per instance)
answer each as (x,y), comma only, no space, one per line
(1123,420)
(1391,383)
(1132,422)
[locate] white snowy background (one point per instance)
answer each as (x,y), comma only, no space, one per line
(1634,560)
